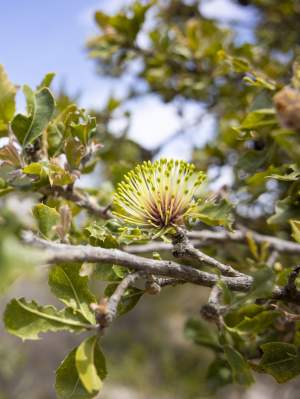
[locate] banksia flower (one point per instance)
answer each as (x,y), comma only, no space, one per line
(159,195)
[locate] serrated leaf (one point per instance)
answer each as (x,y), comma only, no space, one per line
(241,371)
(72,289)
(215,213)
(56,175)
(7,100)
(281,360)
(85,359)
(28,319)
(68,384)
(40,108)
(101,236)
(250,310)
(257,324)
(47,218)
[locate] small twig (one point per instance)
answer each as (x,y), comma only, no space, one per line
(291,288)
(288,315)
(82,200)
(212,310)
(272,258)
(183,247)
(110,308)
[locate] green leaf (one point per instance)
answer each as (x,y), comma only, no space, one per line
(28,319)
(250,310)
(68,384)
(130,298)
(47,218)
(107,272)
(215,213)
(295,224)
(281,360)
(90,364)
(47,80)
(101,236)
(259,323)
(241,371)
(75,151)
(201,333)
(56,175)
(285,210)
(7,100)
(40,108)
(72,289)
(85,129)
(258,119)
(218,374)
(263,284)
(296,74)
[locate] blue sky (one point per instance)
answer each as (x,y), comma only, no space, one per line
(43,36)
(49,36)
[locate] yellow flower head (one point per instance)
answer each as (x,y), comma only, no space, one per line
(158,195)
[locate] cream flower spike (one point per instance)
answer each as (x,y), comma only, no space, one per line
(159,195)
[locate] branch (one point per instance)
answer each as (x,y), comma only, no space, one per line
(201,237)
(241,235)
(59,253)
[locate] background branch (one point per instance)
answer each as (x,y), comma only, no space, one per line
(202,237)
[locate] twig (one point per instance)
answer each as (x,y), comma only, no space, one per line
(183,247)
(212,310)
(82,200)
(107,312)
(272,258)
(291,288)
